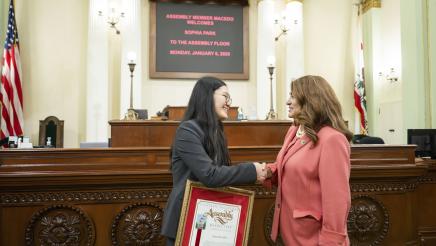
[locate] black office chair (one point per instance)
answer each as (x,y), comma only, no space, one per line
(365,139)
(142,114)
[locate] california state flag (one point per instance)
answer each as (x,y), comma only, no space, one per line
(361,126)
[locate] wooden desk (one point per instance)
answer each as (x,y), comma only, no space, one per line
(116,195)
(149,133)
(177,112)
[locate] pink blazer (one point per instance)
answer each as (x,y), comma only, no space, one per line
(313,193)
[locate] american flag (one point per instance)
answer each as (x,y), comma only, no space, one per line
(11,94)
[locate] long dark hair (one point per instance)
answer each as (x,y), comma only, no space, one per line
(201,108)
(319,106)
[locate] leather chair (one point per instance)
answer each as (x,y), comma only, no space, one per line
(365,139)
(54,128)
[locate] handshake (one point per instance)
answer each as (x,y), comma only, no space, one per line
(263,172)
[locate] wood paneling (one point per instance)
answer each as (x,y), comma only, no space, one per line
(116,196)
(102,187)
(177,112)
(150,133)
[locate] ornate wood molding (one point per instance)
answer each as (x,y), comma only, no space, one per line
(261,192)
(369,4)
(429,178)
(35,198)
(137,224)
(85,196)
(267,223)
(157,193)
(289,1)
(368,221)
(133,184)
(267,227)
(427,235)
(383,187)
(60,225)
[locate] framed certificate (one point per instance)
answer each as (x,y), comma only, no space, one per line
(219,216)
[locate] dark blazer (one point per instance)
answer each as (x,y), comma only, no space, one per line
(190,161)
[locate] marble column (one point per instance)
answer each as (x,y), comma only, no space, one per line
(265,49)
(418,58)
(97,74)
(294,60)
(131,42)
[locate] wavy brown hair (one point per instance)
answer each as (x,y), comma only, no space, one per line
(319,106)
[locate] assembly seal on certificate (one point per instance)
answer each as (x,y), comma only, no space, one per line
(214,216)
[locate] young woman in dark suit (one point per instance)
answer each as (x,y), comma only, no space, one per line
(200,153)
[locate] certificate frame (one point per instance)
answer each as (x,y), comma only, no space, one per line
(221,216)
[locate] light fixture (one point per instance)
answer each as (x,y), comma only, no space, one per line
(283,26)
(290,17)
(131,113)
(391,76)
(113,17)
(271,62)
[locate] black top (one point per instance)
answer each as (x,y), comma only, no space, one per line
(190,161)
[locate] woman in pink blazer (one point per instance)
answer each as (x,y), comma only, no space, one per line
(312,169)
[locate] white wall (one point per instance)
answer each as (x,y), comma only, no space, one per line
(391,50)
(53,58)
(432,58)
(389,125)
(54,62)
(328,48)
(3,19)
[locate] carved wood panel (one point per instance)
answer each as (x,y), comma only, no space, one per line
(368,221)
(138,224)
(60,225)
(48,196)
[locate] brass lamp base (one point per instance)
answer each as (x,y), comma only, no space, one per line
(131,115)
(271,115)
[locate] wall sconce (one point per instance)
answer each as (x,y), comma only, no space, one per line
(291,17)
(283,26)
(113,18)
(391,76)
